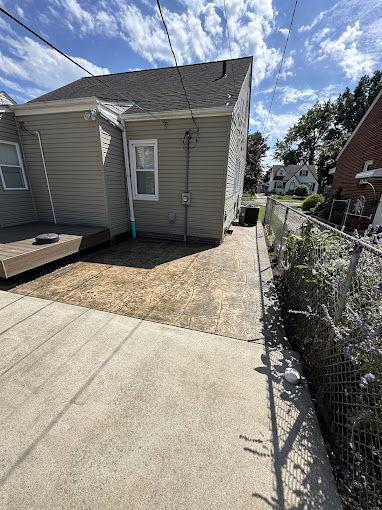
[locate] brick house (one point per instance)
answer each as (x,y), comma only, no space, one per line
(359,164)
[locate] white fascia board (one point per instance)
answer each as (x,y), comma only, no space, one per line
(179,114)
(360,124)
(370,174)
(110,116)
(4,108)
(59,106)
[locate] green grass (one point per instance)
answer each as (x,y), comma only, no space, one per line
(248,195)
(261,212)
(297,207)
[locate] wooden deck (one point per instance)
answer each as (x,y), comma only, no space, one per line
(19,253)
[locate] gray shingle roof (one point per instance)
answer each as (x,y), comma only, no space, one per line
(160,89)
(290,170)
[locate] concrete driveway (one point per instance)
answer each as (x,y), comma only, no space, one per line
(103,411)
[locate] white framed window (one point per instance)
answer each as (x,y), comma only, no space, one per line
(12,172)
(278,184)
(310,186)
(144,169)
(304,172)
(291,186)
(281,172)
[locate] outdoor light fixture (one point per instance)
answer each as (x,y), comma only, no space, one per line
(87,115)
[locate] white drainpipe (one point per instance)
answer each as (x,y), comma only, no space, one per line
(46,176)
(128,180)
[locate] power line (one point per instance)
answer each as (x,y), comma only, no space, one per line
(78,65)
(281,64)
(177,68)
(229,45)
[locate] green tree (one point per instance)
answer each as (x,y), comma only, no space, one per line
(256,150)
(328,154)
(319,134)
(304,140)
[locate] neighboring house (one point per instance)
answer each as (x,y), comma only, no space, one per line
(285,179)
(101,145)
(359,164)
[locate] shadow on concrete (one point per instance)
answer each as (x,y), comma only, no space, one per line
(147,253)
(301,471)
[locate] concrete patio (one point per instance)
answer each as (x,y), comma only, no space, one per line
(201,287)
(104,411)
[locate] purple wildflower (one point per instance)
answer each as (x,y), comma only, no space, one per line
(349,350)
(365,379)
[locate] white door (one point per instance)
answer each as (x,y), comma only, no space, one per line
(378,214)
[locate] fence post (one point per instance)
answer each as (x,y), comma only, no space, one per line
(345,289)
(283,230)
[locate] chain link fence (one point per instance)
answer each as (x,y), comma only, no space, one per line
(333,296)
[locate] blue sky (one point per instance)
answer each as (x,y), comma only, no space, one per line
(332,45)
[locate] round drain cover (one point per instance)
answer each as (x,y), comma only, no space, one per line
(47,238)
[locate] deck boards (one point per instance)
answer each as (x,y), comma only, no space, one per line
(19,253)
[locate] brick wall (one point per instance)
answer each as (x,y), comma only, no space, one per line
(366,144)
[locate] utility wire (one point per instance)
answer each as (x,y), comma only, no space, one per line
(281,64)
(229,45)
(78,65)
(176,64)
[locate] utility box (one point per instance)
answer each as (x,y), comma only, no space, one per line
(248,215)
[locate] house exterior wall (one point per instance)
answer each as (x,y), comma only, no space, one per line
(365,144)
(288,184)
(74,164)
(305,179)
(207,171)
(237,153)
(296,178)
(115,177)
(16,206)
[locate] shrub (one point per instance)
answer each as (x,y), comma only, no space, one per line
(311,202)
(302,190)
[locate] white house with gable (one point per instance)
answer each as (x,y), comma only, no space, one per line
(285,179)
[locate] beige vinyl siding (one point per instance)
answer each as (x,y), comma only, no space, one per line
(73,158)
(115,177)
(16,206)
(237,152)
(206,176)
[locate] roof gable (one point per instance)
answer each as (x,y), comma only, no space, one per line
(159,90)
(291,170)
(5,99)
(379,96)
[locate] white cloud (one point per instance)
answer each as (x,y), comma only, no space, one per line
(29,61)
(345,51)
(293,95)
(20,11)
(284,31)
(277,124)
(197,34)
(317,19)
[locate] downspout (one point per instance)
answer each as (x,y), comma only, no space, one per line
(128,179)
(46,176)
(26,168)
(187,167)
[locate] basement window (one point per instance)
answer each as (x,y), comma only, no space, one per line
(12,173)
(144,169)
